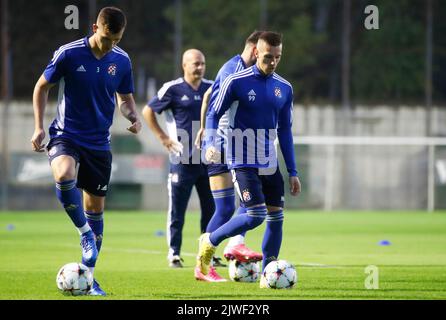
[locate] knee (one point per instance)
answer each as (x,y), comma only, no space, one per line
(228,209)
(64,174)
(256,216)
(254,222)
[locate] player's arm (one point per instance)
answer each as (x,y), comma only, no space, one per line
(40,100)
(152,122)
(203,111)
(217,107)
(127,106)
(285,136)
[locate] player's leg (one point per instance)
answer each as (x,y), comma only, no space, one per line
(236,248)
(94,212)
(273,189)
(94,209)
(252,198)
(63,156)
(222,190)
(93,178)
(179,186)
(207,211)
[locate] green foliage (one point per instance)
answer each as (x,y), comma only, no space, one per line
(387,65)
(389,62)
(218,28)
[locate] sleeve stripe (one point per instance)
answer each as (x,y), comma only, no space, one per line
(219,100)
(62,48)
(120,51)
(166,87)
(279,78)
(58,53)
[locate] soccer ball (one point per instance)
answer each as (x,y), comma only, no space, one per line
(74,279)
(280,274)
(244,271)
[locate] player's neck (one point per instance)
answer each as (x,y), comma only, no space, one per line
(193,82)
(95,48)
(246,57)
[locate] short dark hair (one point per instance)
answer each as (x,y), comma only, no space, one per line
(272,38)
(113,18)
(253,37)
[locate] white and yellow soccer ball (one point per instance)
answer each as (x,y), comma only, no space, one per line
(244,271)
(74,279)
(280,274)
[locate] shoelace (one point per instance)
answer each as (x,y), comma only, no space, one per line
(86,244)
(213,274)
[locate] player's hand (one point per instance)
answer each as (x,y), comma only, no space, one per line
(173,147)
(199,138)
(295,186)
(37,139)
(213,155)
(135,127)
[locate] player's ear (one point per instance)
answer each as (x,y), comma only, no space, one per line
(256,52)
(95,27)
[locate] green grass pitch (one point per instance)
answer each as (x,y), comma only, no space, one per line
(330,251)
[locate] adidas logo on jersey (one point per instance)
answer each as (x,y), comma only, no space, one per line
(252,95)
(81,69)
(184,98)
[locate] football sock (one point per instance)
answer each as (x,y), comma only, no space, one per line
(240,223)
(224,208)
(70,197)
(272,238)
(238,239)
(96,222)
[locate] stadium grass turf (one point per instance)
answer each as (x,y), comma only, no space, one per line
(330,251)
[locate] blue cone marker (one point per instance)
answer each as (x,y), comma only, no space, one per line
(160,233)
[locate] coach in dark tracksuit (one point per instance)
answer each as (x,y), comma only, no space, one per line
(180,101)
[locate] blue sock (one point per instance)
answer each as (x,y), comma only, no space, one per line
(241,210)
(240,223)
(224,208)
(96,222)
(70,197)
(272,239)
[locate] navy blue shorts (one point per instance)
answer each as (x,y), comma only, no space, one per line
(215,169)
(254,188)
(94,165)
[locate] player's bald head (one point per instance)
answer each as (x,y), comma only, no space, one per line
(194,64)
(192,54)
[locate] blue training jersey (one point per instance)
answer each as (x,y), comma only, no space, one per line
(260,109)
(235,64)
(181,105)
(87,88)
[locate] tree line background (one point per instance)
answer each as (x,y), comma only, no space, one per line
(385,66)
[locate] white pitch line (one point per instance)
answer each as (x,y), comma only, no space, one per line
(188,254)
(134,250)
(318,265)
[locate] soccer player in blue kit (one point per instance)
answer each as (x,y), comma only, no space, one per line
(89,71)
(180,101)
(260,104)
(220,178)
